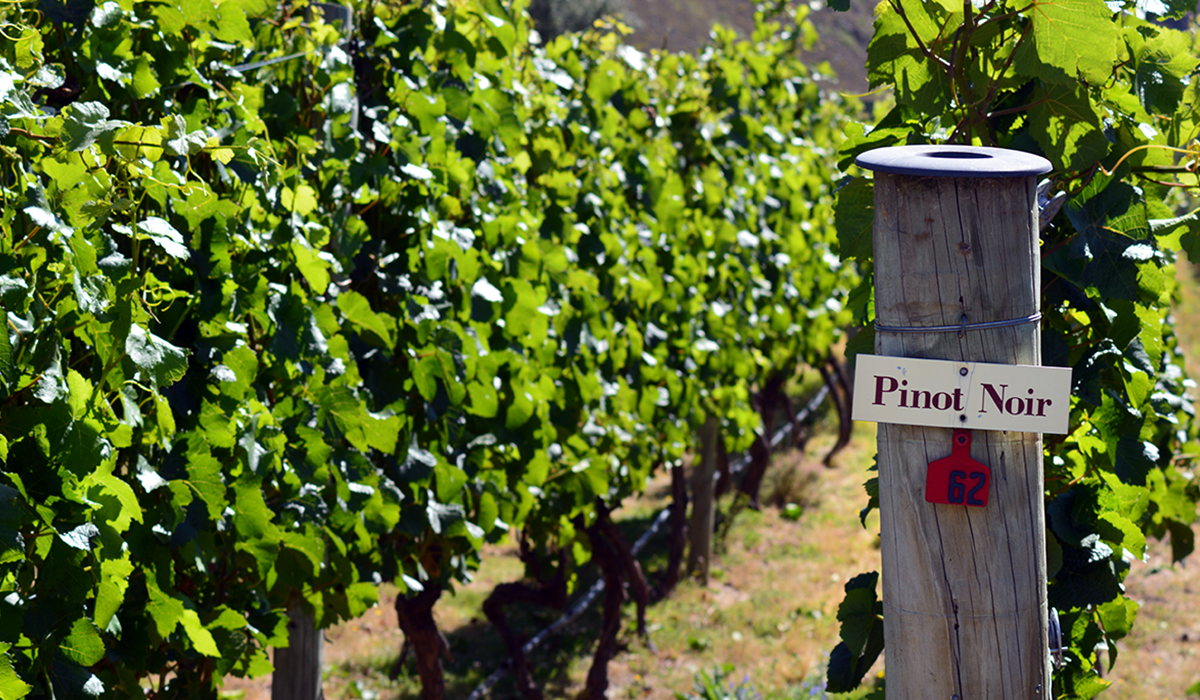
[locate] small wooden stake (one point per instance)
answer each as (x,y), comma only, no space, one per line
(964,589)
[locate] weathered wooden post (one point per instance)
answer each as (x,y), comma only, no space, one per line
(299,665)
(957,277)
(703,511)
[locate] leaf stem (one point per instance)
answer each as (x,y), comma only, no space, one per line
(1018,109)
(917,37)
(31,135)
(1194,152)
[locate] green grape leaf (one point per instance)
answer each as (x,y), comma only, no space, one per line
(6,359)
(249,444)
(1163,63)
(178,141)
(204,479)
(1071,40)
(1089,686)
(244,364)
(484,401)
(162,362)
(1086,576)
(854,217)
(232,25)
(313,548)
(202,640)
(893,54)
(79,393)
(11,544)
(418,463)
(255,8)
(165,610)
(1134,459)
(871,486)
(27,49)
(488,513)
(85,122)
(361,428)
(1122,531)
(381,432)
(425,375)
(1117,617)
(861,617)
(1183,539)
(301,200)
(253,520)
(83,644)
(80,537)
(537,469)
(145,80)
(163,234)
(357,311)
(314,269)
(114,581)
(449,481)
(252,517)
(121,505)
(11,685)
(1123,499)
(860,613)
(228,619)
(522,317)
(1068,127)
(520,409)
(442,515)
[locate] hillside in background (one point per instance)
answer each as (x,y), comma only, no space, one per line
(684,25)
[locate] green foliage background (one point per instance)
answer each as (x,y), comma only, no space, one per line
(1110,98)
(281,330)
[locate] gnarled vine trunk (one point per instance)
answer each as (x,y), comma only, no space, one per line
(630,566)
(678,535)
(422,635)
(552,594)
(834,374)
(606,557)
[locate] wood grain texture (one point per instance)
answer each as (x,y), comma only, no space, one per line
(298,666)
(964,589)
(703,510)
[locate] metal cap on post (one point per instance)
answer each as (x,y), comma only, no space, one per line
(957,277)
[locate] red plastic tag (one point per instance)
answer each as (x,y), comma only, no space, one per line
(958,479)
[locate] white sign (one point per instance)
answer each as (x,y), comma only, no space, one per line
(973,395)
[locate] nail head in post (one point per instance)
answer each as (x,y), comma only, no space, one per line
(953,161)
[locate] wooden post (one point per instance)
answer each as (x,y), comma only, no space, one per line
(701,529)
(297,673)
(964,589)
